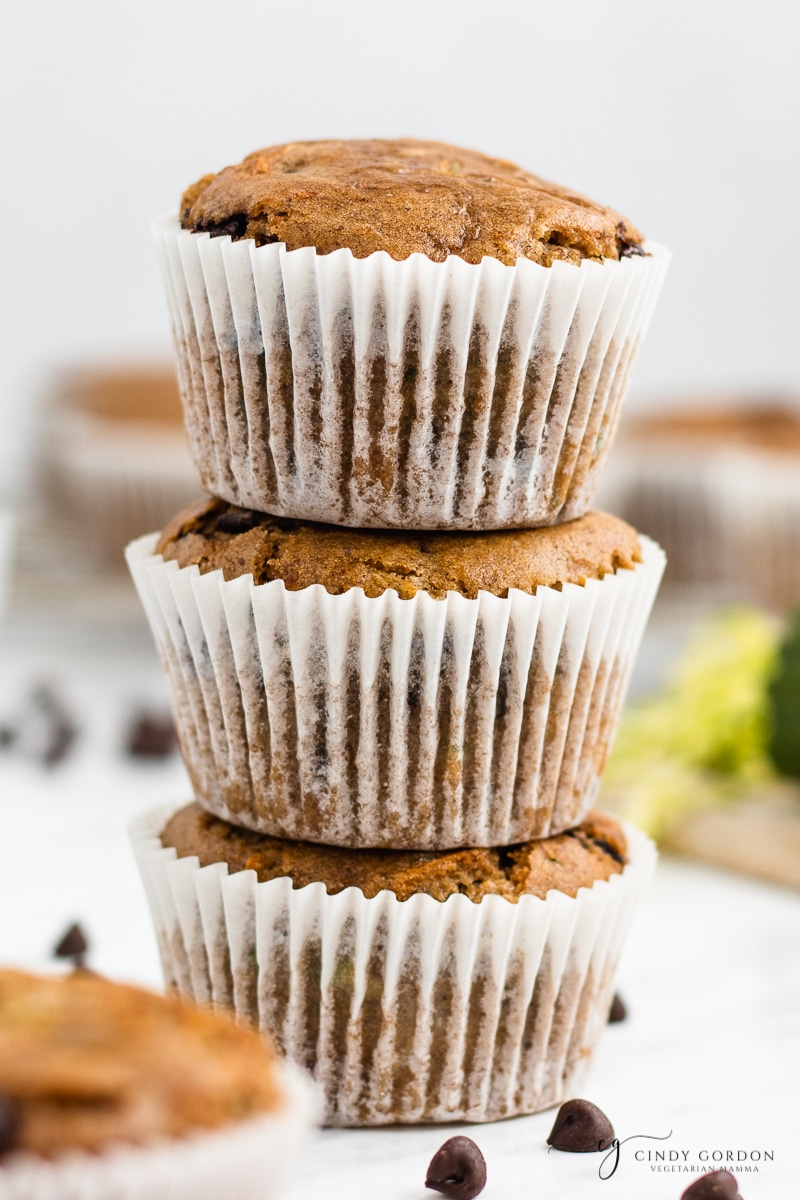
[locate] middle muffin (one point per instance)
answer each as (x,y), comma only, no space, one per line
(418,690)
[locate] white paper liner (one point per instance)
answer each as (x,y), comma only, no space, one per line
(410,1011)
(417,723)
(723,514)
(6,556)
(413,394)
(758,496)
(247,1161)
(117,481)
(674,494)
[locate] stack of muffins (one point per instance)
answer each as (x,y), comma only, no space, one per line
(397,641)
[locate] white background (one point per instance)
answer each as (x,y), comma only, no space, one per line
(685,116)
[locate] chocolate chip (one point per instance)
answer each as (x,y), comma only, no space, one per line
(457,1169)
(718,1185)
(73,944)
(581,1128)
(59,731)
(505,859)
(626,248)
(234,226)
(9,1122)
(151,735)
(618,1010)
(610,850)
(236,520)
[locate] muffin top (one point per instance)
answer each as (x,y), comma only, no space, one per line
(85,1063)
(772,426)
(404,197)
(217,535)
(594,850)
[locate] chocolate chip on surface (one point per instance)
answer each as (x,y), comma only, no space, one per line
(580,1128)
(618,1011)
(151,735)
(58,729)
(457,1169)
(73,944)
(717,1185)
(9,1122)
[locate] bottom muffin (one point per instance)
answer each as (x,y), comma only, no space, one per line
(110,1090)
(414,986)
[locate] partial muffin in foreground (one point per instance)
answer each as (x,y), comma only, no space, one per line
(403,334)
(477,990)
(110,1089)
(401,690)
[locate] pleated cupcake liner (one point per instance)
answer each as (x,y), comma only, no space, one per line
(249,1160)
(413,394)
(731,516)
(116,482)
(7,526)
(677,496)
(758,498)
(403,1011)
(419,723)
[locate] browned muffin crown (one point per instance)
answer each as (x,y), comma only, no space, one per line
(237,541)
(713,424)
(86,1063)
(596,849)
(404,197)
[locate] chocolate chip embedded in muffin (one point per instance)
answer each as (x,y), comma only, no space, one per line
(86,1063)
(595,850)
(217,535)
(404,197)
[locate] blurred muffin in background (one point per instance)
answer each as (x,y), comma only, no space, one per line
(717,482)
(116,452)
(6,550)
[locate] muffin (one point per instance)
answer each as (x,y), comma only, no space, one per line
(717,483)
(416,987)
(406,690)
(402,334)
(117,453)
(110,1089)
(6,557)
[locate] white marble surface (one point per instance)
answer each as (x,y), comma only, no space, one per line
(711,973)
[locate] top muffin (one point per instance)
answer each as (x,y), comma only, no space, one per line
(405,197)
